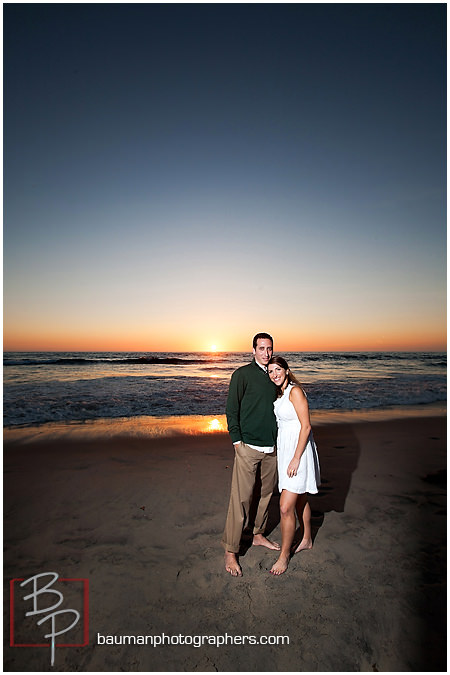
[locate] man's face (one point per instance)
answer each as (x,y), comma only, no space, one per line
(263,352)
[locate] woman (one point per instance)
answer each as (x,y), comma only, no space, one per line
(298,463)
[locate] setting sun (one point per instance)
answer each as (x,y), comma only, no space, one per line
(213,348)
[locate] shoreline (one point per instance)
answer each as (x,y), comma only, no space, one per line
(141,519)
(151,426)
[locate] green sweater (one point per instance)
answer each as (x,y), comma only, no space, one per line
(249,408)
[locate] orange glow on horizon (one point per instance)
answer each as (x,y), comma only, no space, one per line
(176,343)
(219,334)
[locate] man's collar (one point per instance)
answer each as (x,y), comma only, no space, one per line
(264,368)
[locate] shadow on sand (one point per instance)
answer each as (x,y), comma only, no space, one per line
(337,464)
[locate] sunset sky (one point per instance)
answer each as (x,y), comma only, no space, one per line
(182,176)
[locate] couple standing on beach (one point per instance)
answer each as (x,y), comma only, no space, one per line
(262,394)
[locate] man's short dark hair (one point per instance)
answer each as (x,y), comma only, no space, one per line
(261,336)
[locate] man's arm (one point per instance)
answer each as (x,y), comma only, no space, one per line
(233,408)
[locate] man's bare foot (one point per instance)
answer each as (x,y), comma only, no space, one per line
(280,566)
(261,540)
(304,545)
(231,564)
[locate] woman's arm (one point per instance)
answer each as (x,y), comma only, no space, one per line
(300,403)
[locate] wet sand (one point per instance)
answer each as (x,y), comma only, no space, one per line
(142,518)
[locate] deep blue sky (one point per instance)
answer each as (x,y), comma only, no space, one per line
(215,170)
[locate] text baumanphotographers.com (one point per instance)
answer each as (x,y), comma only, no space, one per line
(194,640)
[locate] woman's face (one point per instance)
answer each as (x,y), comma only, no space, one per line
(277,374)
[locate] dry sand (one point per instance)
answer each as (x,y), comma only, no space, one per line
(369,596)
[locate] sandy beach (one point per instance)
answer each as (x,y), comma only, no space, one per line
(141,520)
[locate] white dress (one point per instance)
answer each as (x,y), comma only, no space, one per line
(308,472)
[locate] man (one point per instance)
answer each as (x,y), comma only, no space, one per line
(253,430)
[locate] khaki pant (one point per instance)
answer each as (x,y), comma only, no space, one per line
(246,463)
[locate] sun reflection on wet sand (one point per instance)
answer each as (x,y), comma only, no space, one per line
(217,425)
(194,425)
(137,427)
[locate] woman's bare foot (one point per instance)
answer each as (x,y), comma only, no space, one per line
(304,545)
(280,566)
(231,564)
(261,540)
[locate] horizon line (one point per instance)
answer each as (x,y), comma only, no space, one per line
(225,351)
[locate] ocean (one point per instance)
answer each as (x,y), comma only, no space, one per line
(74,387)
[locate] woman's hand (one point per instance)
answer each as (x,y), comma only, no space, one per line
(293,466)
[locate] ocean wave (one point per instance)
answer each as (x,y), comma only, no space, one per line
(216,360)
(74,386)
(369,356)
(112,397)
(80,361)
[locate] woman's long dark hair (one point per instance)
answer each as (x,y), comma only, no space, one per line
(280,361)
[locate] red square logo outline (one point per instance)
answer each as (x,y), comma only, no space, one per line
(85,617)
